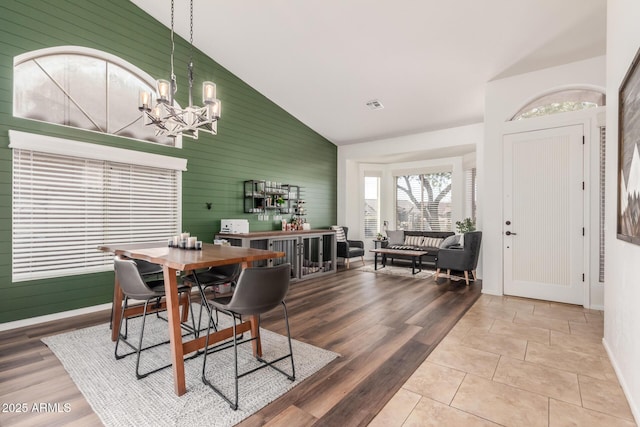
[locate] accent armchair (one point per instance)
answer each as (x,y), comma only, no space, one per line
(348,248)
(463,259)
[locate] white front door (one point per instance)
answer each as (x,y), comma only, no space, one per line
(543,222)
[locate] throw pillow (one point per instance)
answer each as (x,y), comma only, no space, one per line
(432,242)
(340,237)
(450,241)
(413,240)
(396,237)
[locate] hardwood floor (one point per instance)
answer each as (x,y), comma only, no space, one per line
(383,326)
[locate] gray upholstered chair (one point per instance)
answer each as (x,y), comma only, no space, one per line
(259,289)
(147,270)
(347,248)
(463,259)
(135,287)
(213,279)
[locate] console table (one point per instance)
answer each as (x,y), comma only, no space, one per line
(311,253)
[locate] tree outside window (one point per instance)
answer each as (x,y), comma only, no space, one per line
(423,202)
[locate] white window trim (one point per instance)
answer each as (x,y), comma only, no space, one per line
(66,147)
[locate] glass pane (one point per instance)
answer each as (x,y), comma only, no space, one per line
(34,93)
(371,206)
(560,102)
(73,90)
(423,202)
(124,88)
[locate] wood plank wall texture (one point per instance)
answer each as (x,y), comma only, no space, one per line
(256,138)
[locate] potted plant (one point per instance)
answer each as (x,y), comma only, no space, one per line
(465,226)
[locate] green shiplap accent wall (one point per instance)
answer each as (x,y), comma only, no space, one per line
(256,138)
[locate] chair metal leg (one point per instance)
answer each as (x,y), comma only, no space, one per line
(144,318)
(238,340)
(292,377)
(139,349)
(234,404)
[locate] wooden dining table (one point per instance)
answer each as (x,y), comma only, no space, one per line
(174,260)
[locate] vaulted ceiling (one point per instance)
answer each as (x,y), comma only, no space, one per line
(426,61)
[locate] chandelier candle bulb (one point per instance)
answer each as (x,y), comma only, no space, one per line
(209,92)
(144,100)
(156,113)
(163,90)
(213,109)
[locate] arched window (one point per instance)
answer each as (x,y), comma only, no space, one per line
(84,88)
(560,102)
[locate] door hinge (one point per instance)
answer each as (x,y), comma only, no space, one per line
(583,277)
(583,185)
(583,231)
(582,139)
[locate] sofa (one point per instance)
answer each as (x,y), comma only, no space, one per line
(430,241)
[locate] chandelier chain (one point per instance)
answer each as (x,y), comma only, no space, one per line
(191,25)
(173,48)
(190,64)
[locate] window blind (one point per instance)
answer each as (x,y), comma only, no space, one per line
(64,207)
(371,206)
(423,202)
(470,193)
(603,148)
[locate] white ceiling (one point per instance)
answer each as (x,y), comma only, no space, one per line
(427,61)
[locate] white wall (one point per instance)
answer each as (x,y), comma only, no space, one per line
(503,99)
(622,290)
(354,161)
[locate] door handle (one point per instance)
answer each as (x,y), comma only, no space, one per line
(508,233)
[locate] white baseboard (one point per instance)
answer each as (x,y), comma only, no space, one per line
(55,316)
(490,292)
(635,411)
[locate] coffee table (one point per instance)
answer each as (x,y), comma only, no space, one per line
(415,255)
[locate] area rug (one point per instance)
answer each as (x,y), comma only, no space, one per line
(394,270)
(119,399)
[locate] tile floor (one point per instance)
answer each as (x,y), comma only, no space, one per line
(514,362)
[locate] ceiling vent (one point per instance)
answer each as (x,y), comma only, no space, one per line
(374,104)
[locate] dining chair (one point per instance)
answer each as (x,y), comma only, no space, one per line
(147,270)
(221,280)
(135,287)
(259,290)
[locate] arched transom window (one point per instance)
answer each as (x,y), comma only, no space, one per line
(560,102)
(83,88)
